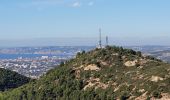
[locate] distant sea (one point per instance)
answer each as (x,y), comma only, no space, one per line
(15,56)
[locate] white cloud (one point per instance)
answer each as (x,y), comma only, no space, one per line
(76,4)
(91,3)
(43,4)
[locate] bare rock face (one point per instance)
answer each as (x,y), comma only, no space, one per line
(142,97)
(156,79)
(130,63)
(95,82)
(165,96)
(92,67)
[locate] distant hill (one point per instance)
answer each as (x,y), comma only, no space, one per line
(101,74)
(163,55)
(10,79)
(160,52)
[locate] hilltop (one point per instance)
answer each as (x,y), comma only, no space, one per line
(101,74)
(10,79)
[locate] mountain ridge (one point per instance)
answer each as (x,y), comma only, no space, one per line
(105,73)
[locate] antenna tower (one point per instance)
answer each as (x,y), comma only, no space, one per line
(100,38)
(107,41)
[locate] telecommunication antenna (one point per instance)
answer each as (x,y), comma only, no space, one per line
(107,41)
(100,38)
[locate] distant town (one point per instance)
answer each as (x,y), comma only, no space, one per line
(35,61)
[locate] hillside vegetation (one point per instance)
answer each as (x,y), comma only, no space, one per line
(101,74)
(10,79)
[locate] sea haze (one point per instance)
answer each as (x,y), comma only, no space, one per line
(86,41)
(50,51)
(16,56)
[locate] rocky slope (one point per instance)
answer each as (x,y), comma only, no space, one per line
(101,74)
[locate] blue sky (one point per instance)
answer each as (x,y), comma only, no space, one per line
(30,19)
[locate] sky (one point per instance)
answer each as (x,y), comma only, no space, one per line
(126,22)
